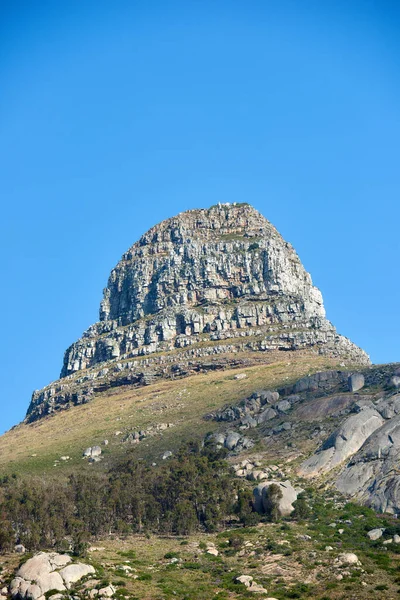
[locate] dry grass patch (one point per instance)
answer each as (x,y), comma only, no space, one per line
(34,447)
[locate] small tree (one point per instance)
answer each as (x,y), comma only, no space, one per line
(273,494)
(301,508)
(7,536)
(244,508)
(184,517)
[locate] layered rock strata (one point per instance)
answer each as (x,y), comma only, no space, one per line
(207,282)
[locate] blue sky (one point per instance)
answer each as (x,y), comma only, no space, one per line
(116,115)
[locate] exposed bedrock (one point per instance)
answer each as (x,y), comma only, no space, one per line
(343,443)
(373,474)
(206,275)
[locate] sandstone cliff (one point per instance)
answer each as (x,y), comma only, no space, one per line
(206,282)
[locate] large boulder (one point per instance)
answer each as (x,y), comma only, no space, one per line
(343,443)
(389,407)
(320,409)
(356,382)
(375,534)
(266,415)
(44,572)
(318,383)
(285,503)
(38,576)
(73,573)
(232,440)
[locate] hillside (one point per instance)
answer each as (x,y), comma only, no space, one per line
(38,446)
(212,425)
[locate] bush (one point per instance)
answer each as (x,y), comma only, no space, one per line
(271,503)
(244,508)
(301,508)
(171,555)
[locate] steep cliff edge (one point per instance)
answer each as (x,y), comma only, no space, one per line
(219,281)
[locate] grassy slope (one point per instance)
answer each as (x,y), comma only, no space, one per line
(34,448)
(275,555)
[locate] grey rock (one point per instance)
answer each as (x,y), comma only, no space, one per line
(395,381)
(38,576)
(219,438)
(107,592)
(249,421)
(388,407)
(348,559)
(269,397)
(283,406)
(166,455)
(241,376)
(232,440)
(356,382)
(371,475)
(266,415)
(92,452)
(73,573)
(343,443)
(44,572)
(245,579)
(375,534)
(317,384)
(244,444)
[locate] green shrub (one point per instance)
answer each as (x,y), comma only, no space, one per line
(301,508)
(171,555)
(271,502)
(254,246)
(191,566)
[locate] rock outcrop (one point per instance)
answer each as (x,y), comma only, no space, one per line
(372,474)
(206,282)
(46,572)
(361,456)
(343,443)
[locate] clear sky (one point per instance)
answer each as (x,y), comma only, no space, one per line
(116,115)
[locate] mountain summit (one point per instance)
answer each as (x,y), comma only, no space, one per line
(210,282)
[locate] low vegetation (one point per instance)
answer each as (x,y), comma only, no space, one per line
(185,527)
(35,448)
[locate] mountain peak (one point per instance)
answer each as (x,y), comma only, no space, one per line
(207,282)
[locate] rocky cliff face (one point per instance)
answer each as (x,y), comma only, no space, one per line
(205,282)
